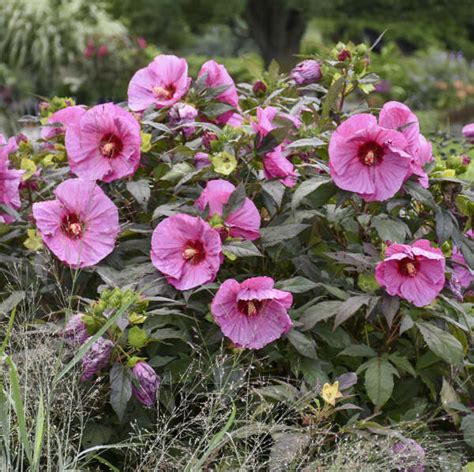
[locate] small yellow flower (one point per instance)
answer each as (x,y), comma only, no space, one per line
(224,163)
(29,167)
(33,242)
(330,393)
(146,142)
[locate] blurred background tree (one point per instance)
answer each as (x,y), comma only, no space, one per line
(90,48)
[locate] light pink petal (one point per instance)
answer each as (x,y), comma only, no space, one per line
(245,222)
(215,195)
(419,290)
(48,216)
(356,123)
(396,115)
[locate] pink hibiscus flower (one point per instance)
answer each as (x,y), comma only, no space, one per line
(81,226)
(252,314)
(162,83)
(217,76)
(104,143)
(397,116)
(277,166)
(66,117)
(186,250)
(242,223)
(10,179)
(413,272)
(270,118)
(468,132)
(368,159)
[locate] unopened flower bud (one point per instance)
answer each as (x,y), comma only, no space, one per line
(145,383)
(97,358)
(411,454)
(259,88)
(306,72)
(75,331)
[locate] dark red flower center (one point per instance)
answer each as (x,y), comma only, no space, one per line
(164,93)
(193,252)
(249,307)
(111,146)
(370,153)
(72,226)
(408,267)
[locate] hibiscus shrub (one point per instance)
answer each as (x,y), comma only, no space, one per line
(281,226)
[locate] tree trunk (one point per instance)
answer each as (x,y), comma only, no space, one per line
(277,30)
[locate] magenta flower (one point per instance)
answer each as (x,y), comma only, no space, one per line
(270,118)
(10,179)
(277,166)
(75,331)
(66,117)
(399,117)
(411,454)
(468,132)
(162,83)
(145,383)
(243,223)
(252,314)
(186,250)
(201,159)
(217,76)
(306,72)
(413,272)
(181,114)
(96,358)
(81,226)
(368,159)
(104,143)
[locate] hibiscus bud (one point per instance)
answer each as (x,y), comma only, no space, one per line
(410,453)
(43,108)
(201,159)
(259,88)
(102,51)
(182,113)
(207,138)
(306,72)
(75,330)
(466,160)
(142,43)
(145,383)
(343,55)
(468,132)
(96,358)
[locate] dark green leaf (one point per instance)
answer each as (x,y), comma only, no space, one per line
(350,307)
(467,426)
(320,312)
(306,188)
(379,381)
(296,285)
(442,343)
(140,190)
(444,225)
(420,194)
(389,229)
(235,202)
(241,249)
(358,350)
(302,343)
(120,389)
(272,235)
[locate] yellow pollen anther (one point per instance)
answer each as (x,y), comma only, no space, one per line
(411,269)
(75,229)
(251,308)
(189,253)
(161,92)
(369,158)
(108,149)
